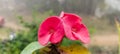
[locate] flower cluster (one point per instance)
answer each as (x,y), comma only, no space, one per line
(55,28)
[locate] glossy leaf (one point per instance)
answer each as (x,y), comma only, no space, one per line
(31,48)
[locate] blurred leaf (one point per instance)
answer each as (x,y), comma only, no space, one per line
(31,48)
(67,42)
(21,40)
(92,30)
(118,25)
(118,28)
(74,49)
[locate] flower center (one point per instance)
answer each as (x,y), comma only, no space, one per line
(74,29)
(51,31)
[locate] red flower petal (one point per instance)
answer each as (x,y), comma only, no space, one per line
(68,32)
(58,34)
(43,39)
(74,29)
(82,33)
(71,18)
(68,21)
(48,30)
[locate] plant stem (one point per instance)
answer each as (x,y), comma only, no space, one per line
(54,49)
(118,28)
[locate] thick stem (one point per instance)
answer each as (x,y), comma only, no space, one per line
(54,49)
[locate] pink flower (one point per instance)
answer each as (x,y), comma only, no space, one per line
(51,30)
(74,28)
(54,28)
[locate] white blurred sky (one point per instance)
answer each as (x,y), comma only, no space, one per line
(114,4)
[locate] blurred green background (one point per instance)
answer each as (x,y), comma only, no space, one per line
(22,19)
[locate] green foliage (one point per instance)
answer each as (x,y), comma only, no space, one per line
(92,30)
(67,42)
(31,48)
(24,37)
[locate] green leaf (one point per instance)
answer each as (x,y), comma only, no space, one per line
(67,42)
(31,48)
